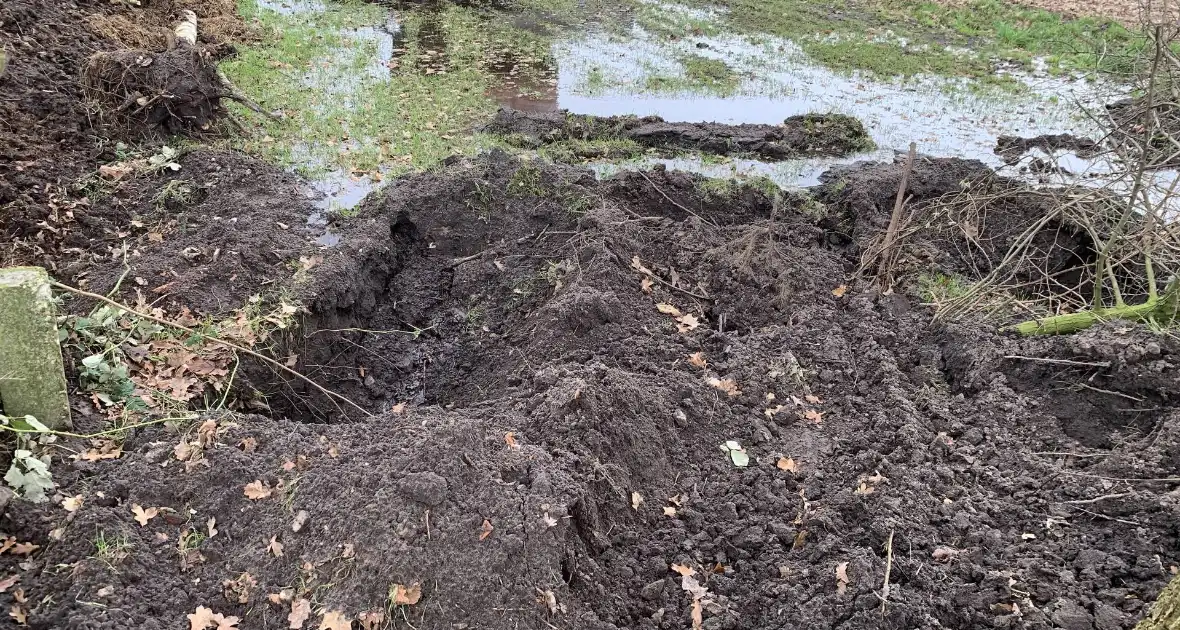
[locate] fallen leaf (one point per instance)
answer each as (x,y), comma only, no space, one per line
(636,500)
(694,588)
(727,385)
(687,323)
(697,359)
(288,465)
(24,549)
(256,490)
(248,444)
(510,440)
(300,611)
(813,399)
(841,578)
(211,526)
(737,454)
(1027,536)
(668,309)
(9,581)
(275,547)
(401,595)
(945,554)
(683,570)
(814,416)
(637,265)
(348,551)
(18,613)
(646,284)
(548,598)
(142,516)
(205,618)
(486,529)
(840,290)
(71,504)
(300,520)
(773,411)
(669,511)
(549,520)
(239,590)
(371,619)
(787,464)
(335,620)
(697,616)
(399,408)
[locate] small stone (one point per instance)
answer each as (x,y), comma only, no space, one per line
(653,591)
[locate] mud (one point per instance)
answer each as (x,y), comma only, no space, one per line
(798,136)
(1012,148)
(545,392)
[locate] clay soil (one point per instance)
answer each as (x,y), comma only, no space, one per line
(550,365)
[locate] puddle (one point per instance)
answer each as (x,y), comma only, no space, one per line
(291,7)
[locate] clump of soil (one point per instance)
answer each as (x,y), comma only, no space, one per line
(554,361)
(1130,120)
(798,136)
(1012,148)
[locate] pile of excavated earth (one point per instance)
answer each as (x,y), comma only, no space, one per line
(547,400)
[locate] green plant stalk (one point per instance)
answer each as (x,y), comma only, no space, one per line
(1163,309)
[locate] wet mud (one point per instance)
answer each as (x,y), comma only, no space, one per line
(798,136)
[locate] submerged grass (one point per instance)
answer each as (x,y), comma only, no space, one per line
(348,108)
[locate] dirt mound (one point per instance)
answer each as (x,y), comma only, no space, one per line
(555,362)
(1012,148)
(798,136)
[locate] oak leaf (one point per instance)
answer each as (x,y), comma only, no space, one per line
(142,516)
(256,490)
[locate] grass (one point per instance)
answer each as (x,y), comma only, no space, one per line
(111,550)
(936,288)
(904,38)
(346,111)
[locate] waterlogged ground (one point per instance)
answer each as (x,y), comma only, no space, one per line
(373,90)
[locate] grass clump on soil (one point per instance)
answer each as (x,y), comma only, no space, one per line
(346,109)
(902,38)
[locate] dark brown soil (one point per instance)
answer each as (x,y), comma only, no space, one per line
(1012,148)
(547,395)
(798,136)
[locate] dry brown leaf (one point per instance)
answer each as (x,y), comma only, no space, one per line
(814,416)
(24,549)
(669,511)
(486,529)
(800,540)
(727,385)
(9,581)
(637,265)
(668,309)
(371,619)
(945,554)
(549,520)
(19,594)
(697,615)
(399,408)
(510,440)
(335,620)
(646,284)
(275,547)
(841,578)
(300,520)
(300,611)
(205,618)
(18,614)
(636,500)
(183,451)
(248,444)
(683,570)
(207,433)
(256,490)
(405,595)
(690,585)
(211,526)
(813,399)
(697,359)
(840,290)
(687,323)
(787,464)
(239,590)
(288,465)
(142,516)
(71,504)
(773,411)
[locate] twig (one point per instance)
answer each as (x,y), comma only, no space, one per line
(888,568)
(1109,518)
(674,287)
(1101,498)
(244,350)
(673,201)
(232,93)
(884,261)
(1102,364)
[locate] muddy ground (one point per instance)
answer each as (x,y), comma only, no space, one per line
(549,366)
(799,136)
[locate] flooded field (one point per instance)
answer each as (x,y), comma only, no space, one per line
(626,64)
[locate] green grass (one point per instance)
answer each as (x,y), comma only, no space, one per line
(867,35)
(343,114)
(938,288)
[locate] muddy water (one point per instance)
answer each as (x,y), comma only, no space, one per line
(607,72)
